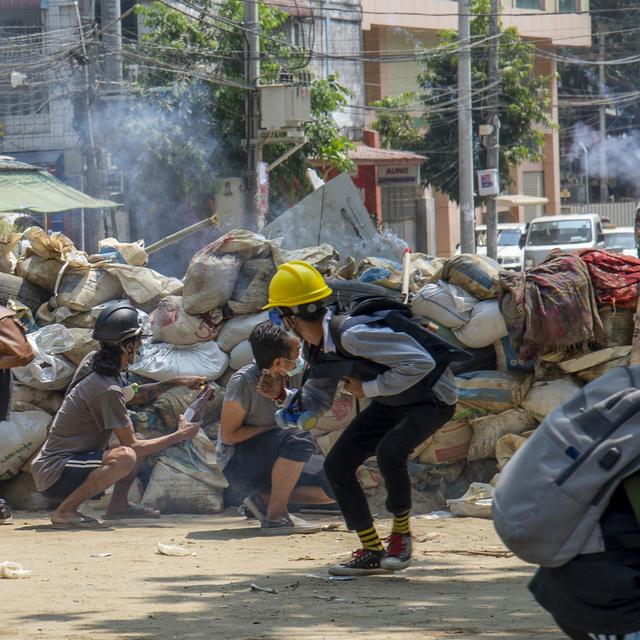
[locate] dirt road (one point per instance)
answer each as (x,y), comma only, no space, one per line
(461,586)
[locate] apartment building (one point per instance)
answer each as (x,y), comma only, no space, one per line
(38,84)
(551,24)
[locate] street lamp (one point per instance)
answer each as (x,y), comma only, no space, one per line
(586,169)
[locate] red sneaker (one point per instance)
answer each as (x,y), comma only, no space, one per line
(398,554)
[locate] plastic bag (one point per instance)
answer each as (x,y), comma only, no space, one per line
(162,361)
(475,503)
(48,370)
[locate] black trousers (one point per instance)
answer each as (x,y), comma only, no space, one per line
(392,433)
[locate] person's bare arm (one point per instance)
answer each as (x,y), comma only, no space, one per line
(143,448)
(149,392)
(232,427)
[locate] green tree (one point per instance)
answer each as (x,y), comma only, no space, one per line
(395,124)
(211,46)
(524,103)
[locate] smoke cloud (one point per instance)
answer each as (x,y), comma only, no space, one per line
(165,149)
(622,155)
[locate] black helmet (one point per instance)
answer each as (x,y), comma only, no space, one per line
(116,323)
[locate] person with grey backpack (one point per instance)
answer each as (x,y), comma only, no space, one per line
(569,501)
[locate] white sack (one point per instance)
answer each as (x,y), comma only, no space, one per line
(20,437)
(162,361)
(238,329)
(544,397)
(444,303)
(485,327)
(241,355)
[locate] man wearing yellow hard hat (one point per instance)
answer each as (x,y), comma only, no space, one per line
(412,395)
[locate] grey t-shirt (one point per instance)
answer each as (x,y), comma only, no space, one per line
(243,389)
(92,408)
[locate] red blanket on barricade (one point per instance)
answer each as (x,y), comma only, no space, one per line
(615,277)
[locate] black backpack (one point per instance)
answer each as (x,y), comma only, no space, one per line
(397,316)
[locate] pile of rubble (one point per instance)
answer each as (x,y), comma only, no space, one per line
(518,372)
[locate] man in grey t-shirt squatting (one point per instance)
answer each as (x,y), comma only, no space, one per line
(271,465)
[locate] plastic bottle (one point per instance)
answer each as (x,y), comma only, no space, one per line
(13,570)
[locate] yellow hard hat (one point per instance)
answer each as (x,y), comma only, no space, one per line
(296,283)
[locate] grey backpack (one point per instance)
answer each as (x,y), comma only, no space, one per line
(551,495)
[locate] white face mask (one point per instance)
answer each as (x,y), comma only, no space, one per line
(299,367)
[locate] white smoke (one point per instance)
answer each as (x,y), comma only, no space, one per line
(622,154)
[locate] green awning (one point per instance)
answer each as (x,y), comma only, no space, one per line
(38,191)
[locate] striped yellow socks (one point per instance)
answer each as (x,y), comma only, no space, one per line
(370,539)
(401,523)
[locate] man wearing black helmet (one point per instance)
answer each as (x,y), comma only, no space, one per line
(76,461)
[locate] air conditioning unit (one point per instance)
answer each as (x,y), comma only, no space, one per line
(284,106)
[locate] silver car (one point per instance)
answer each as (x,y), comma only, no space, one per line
(565,232)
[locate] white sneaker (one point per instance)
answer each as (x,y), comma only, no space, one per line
(288,525)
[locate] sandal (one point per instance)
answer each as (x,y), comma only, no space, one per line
(80,522)
(135,511)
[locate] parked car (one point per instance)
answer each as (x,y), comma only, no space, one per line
(566,232)
(621,240)
(509,250)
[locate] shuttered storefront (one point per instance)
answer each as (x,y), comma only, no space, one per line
(533,185)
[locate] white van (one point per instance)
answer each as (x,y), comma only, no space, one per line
(509,250)
(566,232)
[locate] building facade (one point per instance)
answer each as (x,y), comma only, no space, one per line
(415,25)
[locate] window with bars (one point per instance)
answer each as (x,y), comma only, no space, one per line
(567,6)
(20,37)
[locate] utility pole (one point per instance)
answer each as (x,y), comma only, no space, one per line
(602,150)
(252,109)
(112,40)
(493,148)
(465,130)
